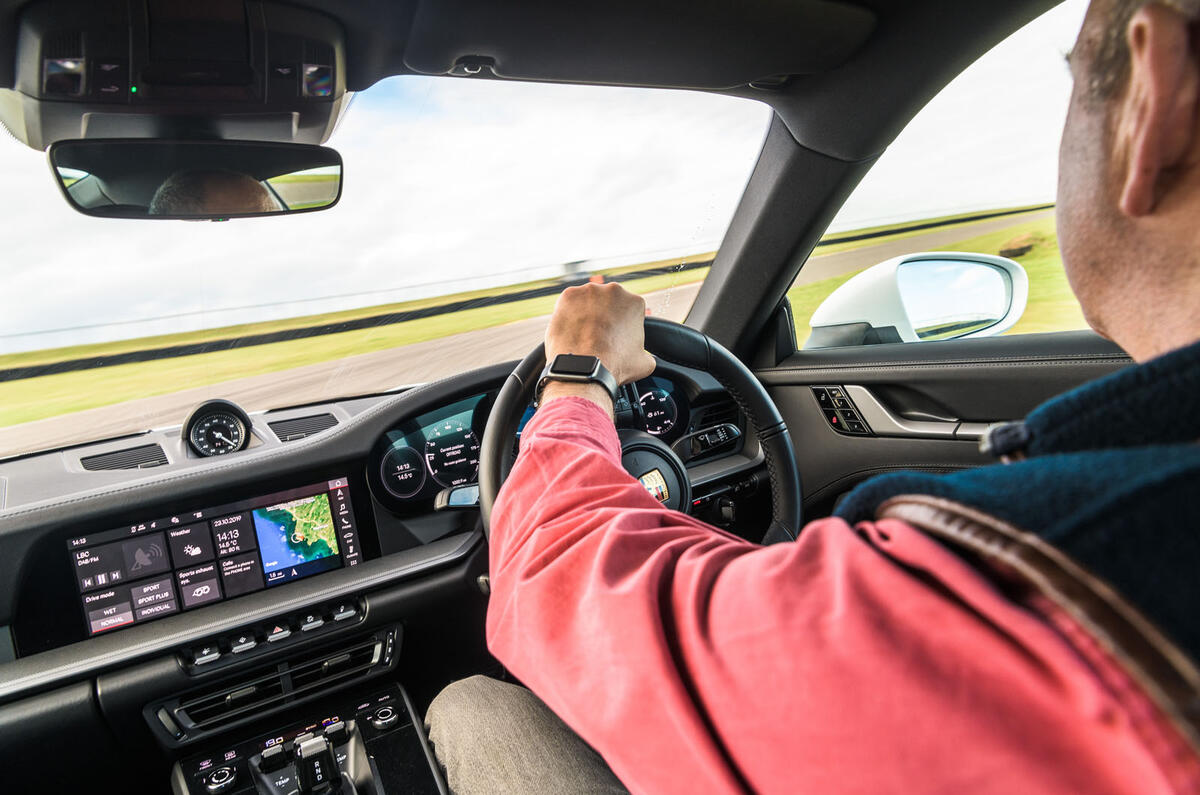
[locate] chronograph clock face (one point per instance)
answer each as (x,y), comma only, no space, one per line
(452,453)
(217,433)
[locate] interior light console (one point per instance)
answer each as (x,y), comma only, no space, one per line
(159,567)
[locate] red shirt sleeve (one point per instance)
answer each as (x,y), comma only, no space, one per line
(864,659)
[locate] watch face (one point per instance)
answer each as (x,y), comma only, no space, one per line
(570,364)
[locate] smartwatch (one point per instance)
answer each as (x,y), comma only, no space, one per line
(580,370)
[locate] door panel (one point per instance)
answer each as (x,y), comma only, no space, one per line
(934,397)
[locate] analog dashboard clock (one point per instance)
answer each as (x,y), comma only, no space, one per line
(217,427)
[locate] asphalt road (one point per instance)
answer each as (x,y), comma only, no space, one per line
(420,362)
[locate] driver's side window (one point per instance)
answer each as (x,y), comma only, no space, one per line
(974,173)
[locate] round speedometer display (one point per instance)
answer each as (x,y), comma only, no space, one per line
(659,410)
(452,453)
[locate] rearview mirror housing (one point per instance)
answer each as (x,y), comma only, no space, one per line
(923,297)
(195,180)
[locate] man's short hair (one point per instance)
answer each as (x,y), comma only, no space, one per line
(1109,71)
(188,192)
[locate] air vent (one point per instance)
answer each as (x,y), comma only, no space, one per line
(298,428)
(148,455)
(715,414)
(63,45)
(272,688)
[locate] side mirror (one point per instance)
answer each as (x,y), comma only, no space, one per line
(939,295)
(195,180)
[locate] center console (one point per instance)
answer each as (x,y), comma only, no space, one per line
(363,743)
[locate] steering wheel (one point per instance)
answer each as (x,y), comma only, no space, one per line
(644,455)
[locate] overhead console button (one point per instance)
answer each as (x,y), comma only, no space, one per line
(109,78)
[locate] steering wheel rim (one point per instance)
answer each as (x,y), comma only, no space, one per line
(677,344)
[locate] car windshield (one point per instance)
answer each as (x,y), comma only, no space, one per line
(466,206)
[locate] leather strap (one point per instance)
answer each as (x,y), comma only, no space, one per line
(1167,675)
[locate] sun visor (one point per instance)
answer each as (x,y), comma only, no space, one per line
(672,43)
(175,68)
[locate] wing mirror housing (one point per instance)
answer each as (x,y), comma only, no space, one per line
(939,295)
(195,180)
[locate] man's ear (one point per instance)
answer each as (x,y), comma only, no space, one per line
(1157,115)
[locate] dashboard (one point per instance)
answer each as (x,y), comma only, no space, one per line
(287,516)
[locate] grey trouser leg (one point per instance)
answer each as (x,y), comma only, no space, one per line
(495,737)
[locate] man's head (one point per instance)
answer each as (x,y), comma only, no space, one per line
(201,192)
(1129,173)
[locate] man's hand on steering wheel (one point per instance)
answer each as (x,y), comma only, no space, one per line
(601,320)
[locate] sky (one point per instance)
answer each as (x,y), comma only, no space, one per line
(456,184)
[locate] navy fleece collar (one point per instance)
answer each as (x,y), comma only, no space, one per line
(1151,403)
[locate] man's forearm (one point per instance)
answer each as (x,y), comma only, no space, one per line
(589,391)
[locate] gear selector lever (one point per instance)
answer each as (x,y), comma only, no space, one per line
(316,768)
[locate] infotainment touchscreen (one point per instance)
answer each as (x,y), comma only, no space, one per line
(157,568)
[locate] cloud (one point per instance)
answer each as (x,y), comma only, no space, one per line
(452,184)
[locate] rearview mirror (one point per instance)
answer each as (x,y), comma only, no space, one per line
(194,180)
(923,297)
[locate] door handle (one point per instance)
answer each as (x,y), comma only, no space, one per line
(883,422)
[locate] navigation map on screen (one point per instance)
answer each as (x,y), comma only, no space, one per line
(296,538)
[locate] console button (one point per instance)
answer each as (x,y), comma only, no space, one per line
(273,759)
(345,611)
(822,397)
(833,419)
(384,717)
(278,632)
(220,779)
(311,621)
(242,643)
(842,403)
(856,427)
(336,732)
(206,654)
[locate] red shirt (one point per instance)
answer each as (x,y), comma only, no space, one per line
(865,659)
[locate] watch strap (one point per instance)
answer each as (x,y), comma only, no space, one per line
(598,374)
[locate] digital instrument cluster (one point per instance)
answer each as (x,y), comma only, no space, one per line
(434,451)
(438,450)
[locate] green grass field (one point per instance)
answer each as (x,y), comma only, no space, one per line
(1051,307)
